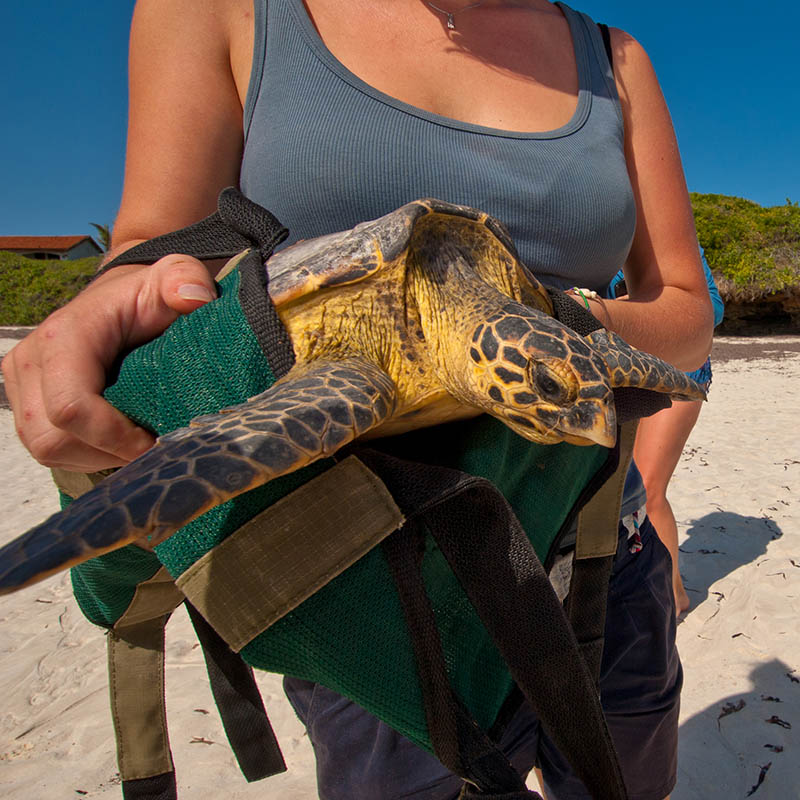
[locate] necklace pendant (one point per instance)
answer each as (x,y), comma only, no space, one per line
(451,24)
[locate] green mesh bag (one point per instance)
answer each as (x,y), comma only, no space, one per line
(351,635)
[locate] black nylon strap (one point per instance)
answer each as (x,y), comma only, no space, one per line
(526,622)
(574,316)
(239,224)
(250,220)
(244,718)
(207,239)
(505,582)
(403,551)
(604,32)
(261,315)
(158,787)
(458,742)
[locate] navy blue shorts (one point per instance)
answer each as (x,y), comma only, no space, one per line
(358,756)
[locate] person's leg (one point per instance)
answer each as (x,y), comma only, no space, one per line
(659,443)
(361,758)
(640,678)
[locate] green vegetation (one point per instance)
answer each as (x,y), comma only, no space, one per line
(753,251)
(31,289)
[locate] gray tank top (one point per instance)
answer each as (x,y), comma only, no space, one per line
(324,151)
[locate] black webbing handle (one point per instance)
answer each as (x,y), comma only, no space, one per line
(586,607)
(157,787)
(458,742)
(237,225)
(525,620)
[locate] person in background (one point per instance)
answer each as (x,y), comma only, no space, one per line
(660,440)
(331,112)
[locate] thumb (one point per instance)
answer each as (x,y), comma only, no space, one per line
(183,283)
(158,295)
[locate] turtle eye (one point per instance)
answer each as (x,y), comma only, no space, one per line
(555,384)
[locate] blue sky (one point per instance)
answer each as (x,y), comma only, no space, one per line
(729,71)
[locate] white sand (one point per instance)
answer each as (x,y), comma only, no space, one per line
(735,494)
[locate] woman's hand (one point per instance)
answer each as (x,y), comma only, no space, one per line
(54,378)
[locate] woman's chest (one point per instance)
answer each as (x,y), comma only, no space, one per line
(508,67)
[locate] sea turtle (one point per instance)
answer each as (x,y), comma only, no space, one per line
(423,316)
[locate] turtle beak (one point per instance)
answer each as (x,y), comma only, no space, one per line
(588,421)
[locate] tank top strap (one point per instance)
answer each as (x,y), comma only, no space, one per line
(260,14)
(597,64)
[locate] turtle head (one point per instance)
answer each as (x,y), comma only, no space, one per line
(542,380)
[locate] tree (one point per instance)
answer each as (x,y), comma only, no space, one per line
(103,234)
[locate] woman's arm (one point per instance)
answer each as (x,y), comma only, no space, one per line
(185,120)
(184,146)
(667,311)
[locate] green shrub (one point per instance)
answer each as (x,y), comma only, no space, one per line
(754,251)
(31,289)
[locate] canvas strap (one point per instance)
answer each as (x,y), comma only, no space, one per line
(302,541)
(598,538)
(136,687)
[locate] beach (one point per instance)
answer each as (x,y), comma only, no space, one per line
(735,494)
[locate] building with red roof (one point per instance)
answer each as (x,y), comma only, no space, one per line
(51,247)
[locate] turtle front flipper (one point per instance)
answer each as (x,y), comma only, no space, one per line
(629,367)
(309,414)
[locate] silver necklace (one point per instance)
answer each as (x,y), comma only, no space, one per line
(451,23)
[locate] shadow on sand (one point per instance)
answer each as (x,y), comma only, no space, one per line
(746,744)
(718,544)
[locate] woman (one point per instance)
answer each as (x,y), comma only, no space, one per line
(348,110)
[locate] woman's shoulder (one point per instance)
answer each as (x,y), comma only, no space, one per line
(213,32)
(213,19)
(629,53)
(635,75)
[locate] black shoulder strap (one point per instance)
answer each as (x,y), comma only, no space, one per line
(607,42)
(241,708)
(500,575)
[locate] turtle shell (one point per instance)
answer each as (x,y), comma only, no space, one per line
(354,255)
